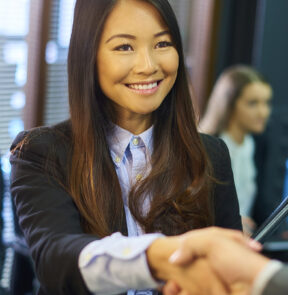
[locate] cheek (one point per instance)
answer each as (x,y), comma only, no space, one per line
(248,117)
(243,115)
(170,64)
(111,71)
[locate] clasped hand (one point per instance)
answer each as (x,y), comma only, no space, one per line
(213,261)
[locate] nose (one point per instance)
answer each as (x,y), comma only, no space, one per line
(265,110)
(145,63)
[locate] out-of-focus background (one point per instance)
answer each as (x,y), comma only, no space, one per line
(34,39)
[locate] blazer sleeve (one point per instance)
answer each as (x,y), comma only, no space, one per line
(47,214)
(225,197)
(278,284)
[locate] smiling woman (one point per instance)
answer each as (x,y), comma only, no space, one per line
(129,162)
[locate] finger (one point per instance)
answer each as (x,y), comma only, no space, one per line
(200,279)
(182,256)
(198,243)
(254,245)
(240,289)
(234,235)
(171,288)
(219,288)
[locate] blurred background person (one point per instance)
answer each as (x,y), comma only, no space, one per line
(239,106)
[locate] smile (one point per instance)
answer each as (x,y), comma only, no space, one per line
(143,86)
(148,87)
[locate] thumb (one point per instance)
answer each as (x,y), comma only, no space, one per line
(181,256)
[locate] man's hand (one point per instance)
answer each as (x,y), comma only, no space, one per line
(197,278)
(228,254)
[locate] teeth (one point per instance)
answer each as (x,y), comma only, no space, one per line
(143,86)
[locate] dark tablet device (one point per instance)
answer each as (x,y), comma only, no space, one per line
(272,222)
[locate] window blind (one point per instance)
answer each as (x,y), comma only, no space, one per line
(13,60)
(56,102)
(14,19)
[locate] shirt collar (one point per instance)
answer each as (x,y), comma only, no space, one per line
(119,139)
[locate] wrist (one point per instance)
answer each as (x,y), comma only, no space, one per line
(158,254)
(257,268)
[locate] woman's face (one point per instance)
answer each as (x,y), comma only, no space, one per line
(252,108)
(137,62)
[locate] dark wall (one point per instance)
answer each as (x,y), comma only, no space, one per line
(271,58)
(236,33)
(271,54)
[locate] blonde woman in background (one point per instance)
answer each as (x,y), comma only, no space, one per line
(238,107)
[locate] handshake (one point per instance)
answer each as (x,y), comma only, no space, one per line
(211,261)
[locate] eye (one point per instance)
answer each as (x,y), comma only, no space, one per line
(164,44)
(268,103)
(252,103)
(124,47)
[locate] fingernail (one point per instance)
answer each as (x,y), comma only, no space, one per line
(254,244)
(174,257)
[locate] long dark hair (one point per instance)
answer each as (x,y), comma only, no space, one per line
(179,182)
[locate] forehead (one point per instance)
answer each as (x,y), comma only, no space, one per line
(257,90)
(134,16)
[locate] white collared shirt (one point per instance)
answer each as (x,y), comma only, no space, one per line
(117,263)
(244,171)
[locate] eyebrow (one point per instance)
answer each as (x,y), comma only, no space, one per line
(128,36)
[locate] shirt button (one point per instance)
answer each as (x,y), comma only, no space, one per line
(87,257)
(135,141)
(138,177)
(117,160)
(126,251)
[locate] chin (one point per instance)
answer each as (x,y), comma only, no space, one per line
(146,111)
(258,130)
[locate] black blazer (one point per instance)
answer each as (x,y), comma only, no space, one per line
(50,220)
(278,284)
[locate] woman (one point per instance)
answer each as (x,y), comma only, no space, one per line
(239,106)
(129,161)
